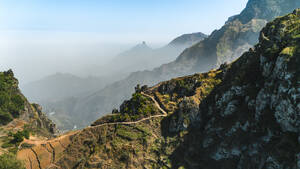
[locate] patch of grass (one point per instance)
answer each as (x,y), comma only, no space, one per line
(117,142)
(7,145)
(129,135)
(288,51)
(143,129)
(9,161)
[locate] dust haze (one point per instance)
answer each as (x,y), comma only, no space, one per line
(35,54)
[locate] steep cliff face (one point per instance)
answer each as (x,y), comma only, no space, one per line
(251,119)
(243,115)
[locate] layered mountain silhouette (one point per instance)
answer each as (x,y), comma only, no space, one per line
(238,34)
(60,93)
(142,57)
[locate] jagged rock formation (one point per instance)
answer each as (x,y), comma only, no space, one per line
(242,115)
(235,37)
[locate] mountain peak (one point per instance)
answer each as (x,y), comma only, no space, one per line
(188,39)
(267,9)
(142,45)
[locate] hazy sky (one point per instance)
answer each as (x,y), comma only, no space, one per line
(169,17)
(39,37)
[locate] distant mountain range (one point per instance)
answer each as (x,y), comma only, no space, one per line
(238,34)
(61,85)
(59,93)
(142,57)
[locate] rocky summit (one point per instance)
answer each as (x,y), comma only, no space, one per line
(244,115)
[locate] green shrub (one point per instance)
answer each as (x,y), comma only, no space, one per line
(18,101)
(11,101)
(19,136)
(9,161)
(5,117)
(127,134)
(7,145)
(4,98)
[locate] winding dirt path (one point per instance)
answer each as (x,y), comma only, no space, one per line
(58,139)
(155,102)
(141,120)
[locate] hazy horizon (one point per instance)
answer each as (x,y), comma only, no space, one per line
(41,38)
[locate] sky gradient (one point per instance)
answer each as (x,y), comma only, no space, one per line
(120,17)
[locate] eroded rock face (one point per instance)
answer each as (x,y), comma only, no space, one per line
(252,119)
(43,121)
(186,114)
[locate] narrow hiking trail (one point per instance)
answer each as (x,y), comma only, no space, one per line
(141,120)
(49,149)
(155,102)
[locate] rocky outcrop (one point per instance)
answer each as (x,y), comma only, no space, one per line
(43,121)
(251,120)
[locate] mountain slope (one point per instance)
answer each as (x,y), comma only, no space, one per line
(18,120)
(238,34)
(15,107)
(243,115)
(251,120)
(226,44)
